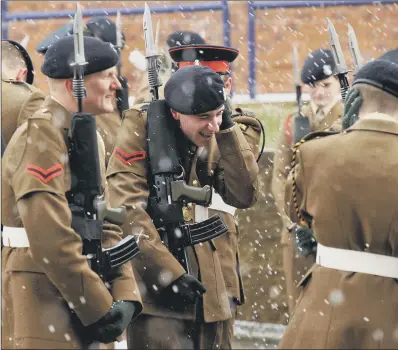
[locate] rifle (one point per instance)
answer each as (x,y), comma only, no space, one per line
(86,198)
(169,189)
(122,95)
(302,125)
(341,67)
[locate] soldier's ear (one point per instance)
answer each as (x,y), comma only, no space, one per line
(21,75)
(175,114)
(68,85)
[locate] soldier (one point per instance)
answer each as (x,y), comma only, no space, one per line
(177,38)
(19,98)
(322,112)
(105,29)
(213,151)
(51,296)
(347,192)
(219,59)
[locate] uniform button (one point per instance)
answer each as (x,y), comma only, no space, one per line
(195,182)
(187,213)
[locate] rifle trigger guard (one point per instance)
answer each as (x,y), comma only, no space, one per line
(182,175)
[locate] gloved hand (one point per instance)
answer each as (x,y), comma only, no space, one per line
(303,239)
(227,121)
(352,105)
(185,290)
(110,326)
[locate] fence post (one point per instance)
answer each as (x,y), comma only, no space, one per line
(4,22)
(252,48)
(226,23)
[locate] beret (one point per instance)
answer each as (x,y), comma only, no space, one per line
(391,56)
(194,90)
(319,65)
(99,27)
(215,57)
(381,73)
(184,38)
(103,28)
(100,55)
(28,61)
(65,30)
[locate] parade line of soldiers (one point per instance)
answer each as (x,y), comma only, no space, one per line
(118,220)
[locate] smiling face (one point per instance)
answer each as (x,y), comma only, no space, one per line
(200,128)
(101,89)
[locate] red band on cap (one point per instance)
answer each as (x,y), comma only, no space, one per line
(217,66)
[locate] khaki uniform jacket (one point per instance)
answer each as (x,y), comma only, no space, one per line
(347,186)
(36,175)
(108,125)
(156,268)
(227,245)
(284,152)
(19,101)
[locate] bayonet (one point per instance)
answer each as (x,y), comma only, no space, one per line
(354,49)
(119,39)
(341,67)
(157,34)
(80,59)
(24,41)
(151,54)
(296,78)
(79,92)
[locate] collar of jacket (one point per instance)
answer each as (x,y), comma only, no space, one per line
(376,122)
(61,117)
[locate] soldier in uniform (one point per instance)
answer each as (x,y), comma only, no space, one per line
(345,188)
(51,296)
(19,98)
(323,111)
(105,29)
(219,59)
(177,38)
(213,151)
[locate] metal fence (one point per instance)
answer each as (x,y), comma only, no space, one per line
(222,5)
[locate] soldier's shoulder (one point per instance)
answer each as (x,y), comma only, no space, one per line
(316,138)
(246,118)
(239,111)
(137,110)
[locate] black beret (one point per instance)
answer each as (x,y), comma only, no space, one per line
(195,90)
(319,65)
(100,55)
(215,57)
(65,30)
(29,65)
(102,28)
(184,38)
(381,73)
(391,56)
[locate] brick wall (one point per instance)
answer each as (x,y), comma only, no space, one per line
(276,31)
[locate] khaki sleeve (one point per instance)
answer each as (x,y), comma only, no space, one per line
(251,130)
(39,186)
(236,174)
(128,185)
(123,285)
(30,106)
(298,183)
(282,158)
